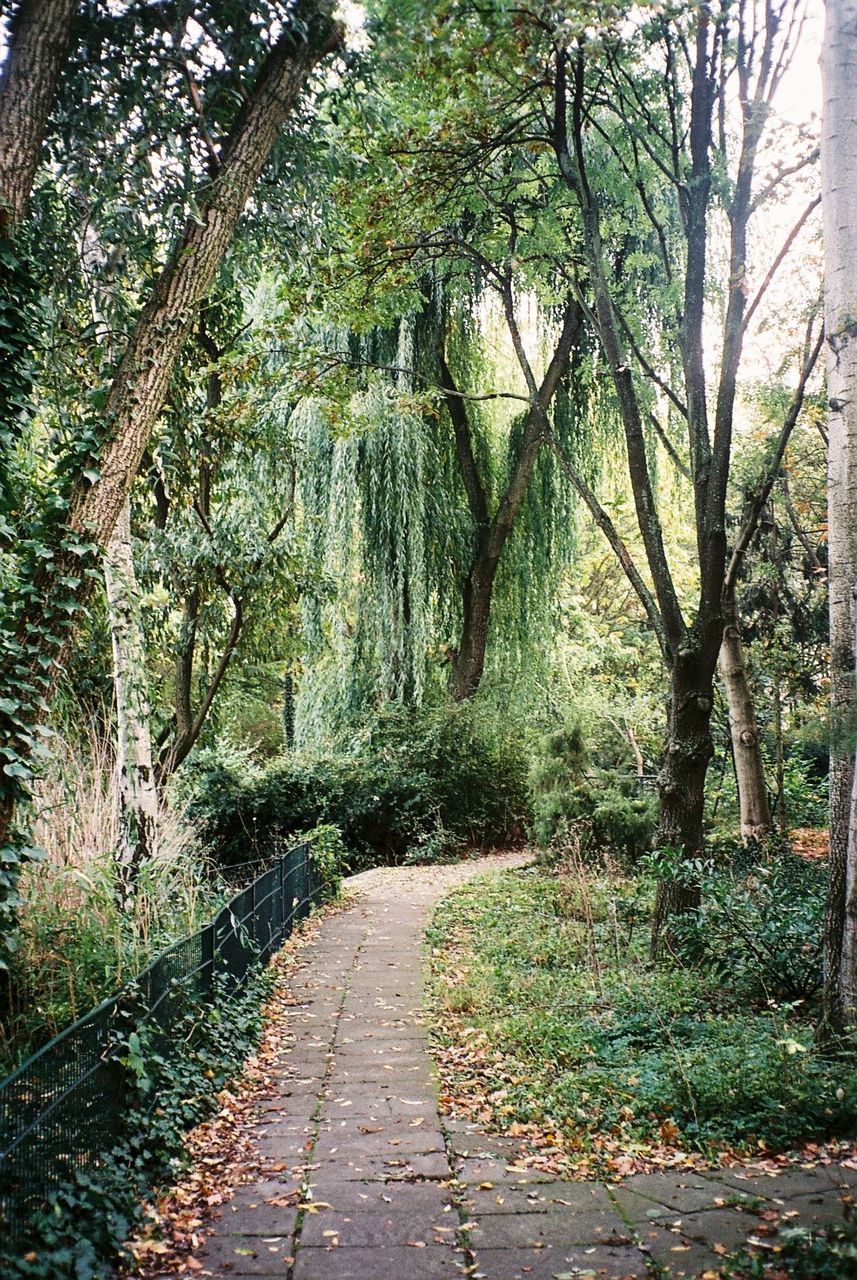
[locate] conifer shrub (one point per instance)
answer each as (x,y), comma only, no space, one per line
(603,806)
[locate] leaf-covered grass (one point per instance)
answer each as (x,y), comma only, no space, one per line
(551,1023)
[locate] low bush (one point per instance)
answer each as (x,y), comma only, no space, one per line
(604,808)
(805,791)
(759,928)
(418,783)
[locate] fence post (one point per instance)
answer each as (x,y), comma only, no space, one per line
(206,984)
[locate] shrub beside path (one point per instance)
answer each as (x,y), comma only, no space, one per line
(361,1179)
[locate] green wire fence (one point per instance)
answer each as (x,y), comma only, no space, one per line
(64,1110)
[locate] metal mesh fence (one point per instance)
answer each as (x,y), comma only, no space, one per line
(64,1110)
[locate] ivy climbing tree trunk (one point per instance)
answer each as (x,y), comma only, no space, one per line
(839,183)
(54,594)
(38,45)
(137,796)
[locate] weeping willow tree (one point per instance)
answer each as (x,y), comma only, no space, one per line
(406,501)
(380,521)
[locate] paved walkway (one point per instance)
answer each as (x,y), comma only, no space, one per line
(363,1181)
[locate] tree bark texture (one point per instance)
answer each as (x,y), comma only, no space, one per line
(142,378)
(477,593)
(38,46)
(681,783)
(754,806)
(839,184)
(137,797)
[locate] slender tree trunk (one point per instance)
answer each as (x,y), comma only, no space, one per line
(753,802)
(137,797)
(38,46)
(682,783)
(492,532)
(782,815)
(289,712)
(639,762)
(839,183)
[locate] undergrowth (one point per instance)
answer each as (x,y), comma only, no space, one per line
(76,946)
(550,1019)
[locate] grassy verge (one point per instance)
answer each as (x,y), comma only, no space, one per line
(551,1025)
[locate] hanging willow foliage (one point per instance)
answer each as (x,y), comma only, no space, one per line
(386,516)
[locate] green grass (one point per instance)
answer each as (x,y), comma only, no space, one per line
(542,987)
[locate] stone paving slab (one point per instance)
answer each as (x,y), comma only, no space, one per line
(545,1197)
(617,1263)
(365,1182)
(392,1263)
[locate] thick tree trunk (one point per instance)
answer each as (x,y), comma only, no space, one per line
(137,797)
(469,661)
(682,784)
(38,45)
(140,385)
(753,801)
(839,182)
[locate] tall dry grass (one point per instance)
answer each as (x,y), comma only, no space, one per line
(76,945)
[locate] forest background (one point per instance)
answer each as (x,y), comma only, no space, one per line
(361,577)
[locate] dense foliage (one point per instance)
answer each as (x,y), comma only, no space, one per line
(88,1221)
(418,786)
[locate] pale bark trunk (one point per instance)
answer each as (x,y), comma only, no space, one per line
(38,44)
(755,809)
(839,183)
(137,797)
(782,815)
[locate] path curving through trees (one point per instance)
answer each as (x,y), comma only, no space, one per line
(360,1178)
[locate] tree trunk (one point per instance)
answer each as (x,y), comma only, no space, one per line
(782,816)
(839,182)
(289,712)
(38,44)
(747,753)
(469,661)
(49,608)
(137,798)
(682,784)
(492,532)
